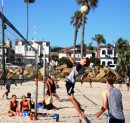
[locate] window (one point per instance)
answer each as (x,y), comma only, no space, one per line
(103,63)
(114,53)
(19,48)
(108,64)
(103,52)
(109,52)
(115,61)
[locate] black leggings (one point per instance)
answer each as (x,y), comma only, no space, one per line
(113,120)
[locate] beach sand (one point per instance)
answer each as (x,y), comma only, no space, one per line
(89,98)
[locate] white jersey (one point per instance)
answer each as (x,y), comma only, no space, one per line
(77,71)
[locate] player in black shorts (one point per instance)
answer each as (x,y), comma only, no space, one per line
(78,70)
(52,87)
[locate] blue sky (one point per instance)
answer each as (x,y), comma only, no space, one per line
(52,19)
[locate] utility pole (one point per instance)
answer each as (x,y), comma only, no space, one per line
(44,68)
(3,52)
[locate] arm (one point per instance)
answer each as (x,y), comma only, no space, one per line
(121,103)
(82,77)
(10,106)
(17,109)
(104,106)
(21,106)
(29,107)
(32,101)
(72,61)
(49,86)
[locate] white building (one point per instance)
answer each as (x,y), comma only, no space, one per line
(108,56)
(41,47)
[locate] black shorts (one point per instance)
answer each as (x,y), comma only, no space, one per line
(114,120)
(69,87)
(49,106)
(53,90)
(128,84)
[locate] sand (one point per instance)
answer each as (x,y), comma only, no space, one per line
(89,98)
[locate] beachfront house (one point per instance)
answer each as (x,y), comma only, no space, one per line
(22,53)
(108,56)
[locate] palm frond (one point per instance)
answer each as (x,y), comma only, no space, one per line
(82,2)
(99,39)
(93,3)
(76,19)
(29,1)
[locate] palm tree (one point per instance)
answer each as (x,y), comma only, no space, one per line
(90,46)
(27,22)
(76,20)
(99,39)
(90,4)
(122,47)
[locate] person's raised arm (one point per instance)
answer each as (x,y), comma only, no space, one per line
(105,103)
(72,61)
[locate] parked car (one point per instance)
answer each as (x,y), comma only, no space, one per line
(29,65)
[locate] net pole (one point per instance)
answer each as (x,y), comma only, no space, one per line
(44,72)
(3,52)
(36,88)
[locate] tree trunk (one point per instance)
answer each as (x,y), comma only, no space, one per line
(98,50)
(75,39)
(83,29)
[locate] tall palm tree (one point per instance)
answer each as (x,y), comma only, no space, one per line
(99,39)
(27,22)
(76,20)
(91,4)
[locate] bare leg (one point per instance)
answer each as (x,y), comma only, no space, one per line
(82,110)
(7,94)
(127,88)
(0,86)
(76,105)
(56,95)
(11,114)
